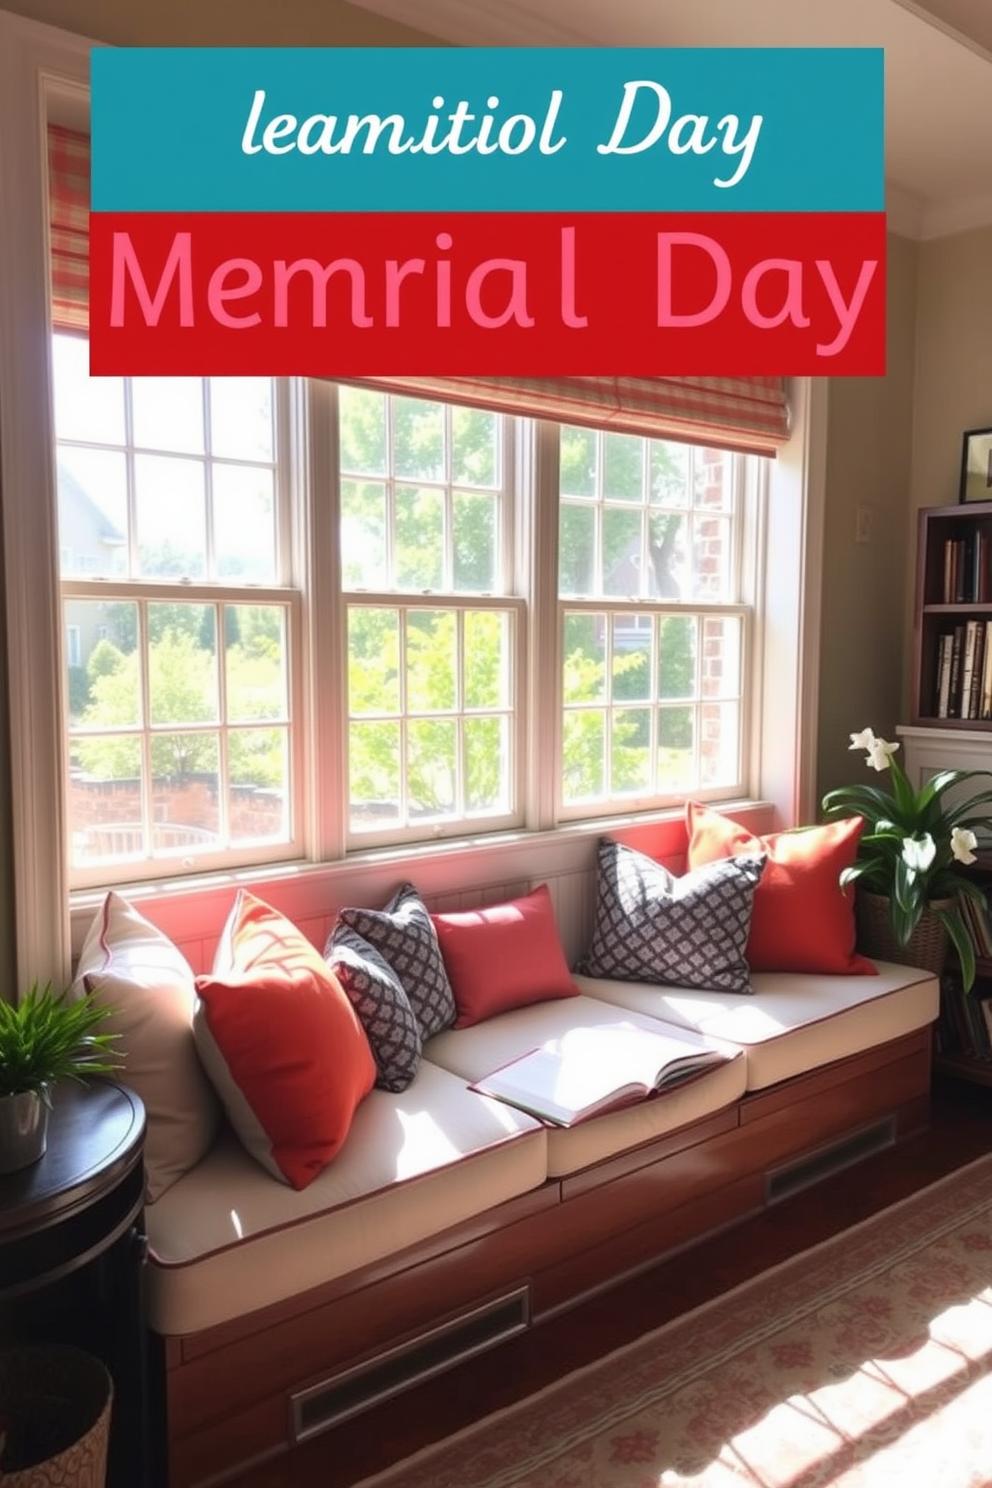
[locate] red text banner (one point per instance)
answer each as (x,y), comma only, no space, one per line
(326,294)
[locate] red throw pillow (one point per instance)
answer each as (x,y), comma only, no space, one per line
(503,956)
(802,920)
(281,1043)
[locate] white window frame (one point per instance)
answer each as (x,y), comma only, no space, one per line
(469,823)
(113,588)
(45,73)
(506,597)
(197,859)
(609,805)
(73,649)
(748,483)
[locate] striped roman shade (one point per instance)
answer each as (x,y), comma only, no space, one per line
(740,413)
(69,216)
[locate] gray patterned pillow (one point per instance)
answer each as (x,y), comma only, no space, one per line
(377,996)
(684,932)
(405,937)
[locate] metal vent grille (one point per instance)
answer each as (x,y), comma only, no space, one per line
(781,1182)
(351,1391)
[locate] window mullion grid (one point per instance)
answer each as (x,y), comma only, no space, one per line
(208,481)
(389,482)
(322,641)
(697,707)
(448,507)
(735,484)
(539,464)
(461,755)
(599,546)
(508,504)
(644,588)
(404,795)
(131,493)
(145,718)
(609,709)
(659,610)
(223,753)
(284,412)
(654,704)
(692,518)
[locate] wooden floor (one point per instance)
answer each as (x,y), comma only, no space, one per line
(960,1130)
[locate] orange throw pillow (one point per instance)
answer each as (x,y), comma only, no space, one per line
(802,919)
(503,956)
(281,1042)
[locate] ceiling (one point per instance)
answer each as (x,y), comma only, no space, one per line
(938,71)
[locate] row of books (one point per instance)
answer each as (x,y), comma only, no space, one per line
(964,671)
(967,579)
(965,1022)
(979,921)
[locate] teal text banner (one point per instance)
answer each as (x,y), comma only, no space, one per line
(487,130)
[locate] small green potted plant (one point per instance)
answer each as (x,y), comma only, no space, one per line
(911,858)
(45,1037)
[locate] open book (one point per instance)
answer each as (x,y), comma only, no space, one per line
(591,1070)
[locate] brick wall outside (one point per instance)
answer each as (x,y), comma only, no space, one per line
(106,814)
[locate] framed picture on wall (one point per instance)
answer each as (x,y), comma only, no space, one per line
(976,466)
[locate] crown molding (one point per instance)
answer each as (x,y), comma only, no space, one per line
(961,216)
(980,45)
(911,216)
(904,212)
(479,23)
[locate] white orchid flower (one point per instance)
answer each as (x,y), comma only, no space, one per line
(879,753)
(864,740)
(919,852)
(963,844)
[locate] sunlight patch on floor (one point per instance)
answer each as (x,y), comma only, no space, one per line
(897,1421)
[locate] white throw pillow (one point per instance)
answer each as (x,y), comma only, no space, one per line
(131,966)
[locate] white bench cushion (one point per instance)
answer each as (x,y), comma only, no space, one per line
(475,1052)
(227,1238)
(794,1022)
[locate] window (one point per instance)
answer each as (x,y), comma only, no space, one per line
(652,682)
(433,698)
(178,686)
(179,679)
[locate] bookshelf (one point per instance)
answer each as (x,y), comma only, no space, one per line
(951,728)
(952,667)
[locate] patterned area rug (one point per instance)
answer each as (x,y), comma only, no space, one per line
(862,1363)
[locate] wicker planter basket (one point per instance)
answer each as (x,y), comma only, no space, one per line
(55,1401)
(927,946)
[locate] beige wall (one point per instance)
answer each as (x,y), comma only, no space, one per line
(221,22)
(868,465)
(953,360)
(895,445)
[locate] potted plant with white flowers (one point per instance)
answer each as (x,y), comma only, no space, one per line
(912,856)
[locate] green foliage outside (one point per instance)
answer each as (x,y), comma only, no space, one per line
(183,690)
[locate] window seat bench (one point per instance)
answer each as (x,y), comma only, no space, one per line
(450,1221)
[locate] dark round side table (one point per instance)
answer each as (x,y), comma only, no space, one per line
(72,1250)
